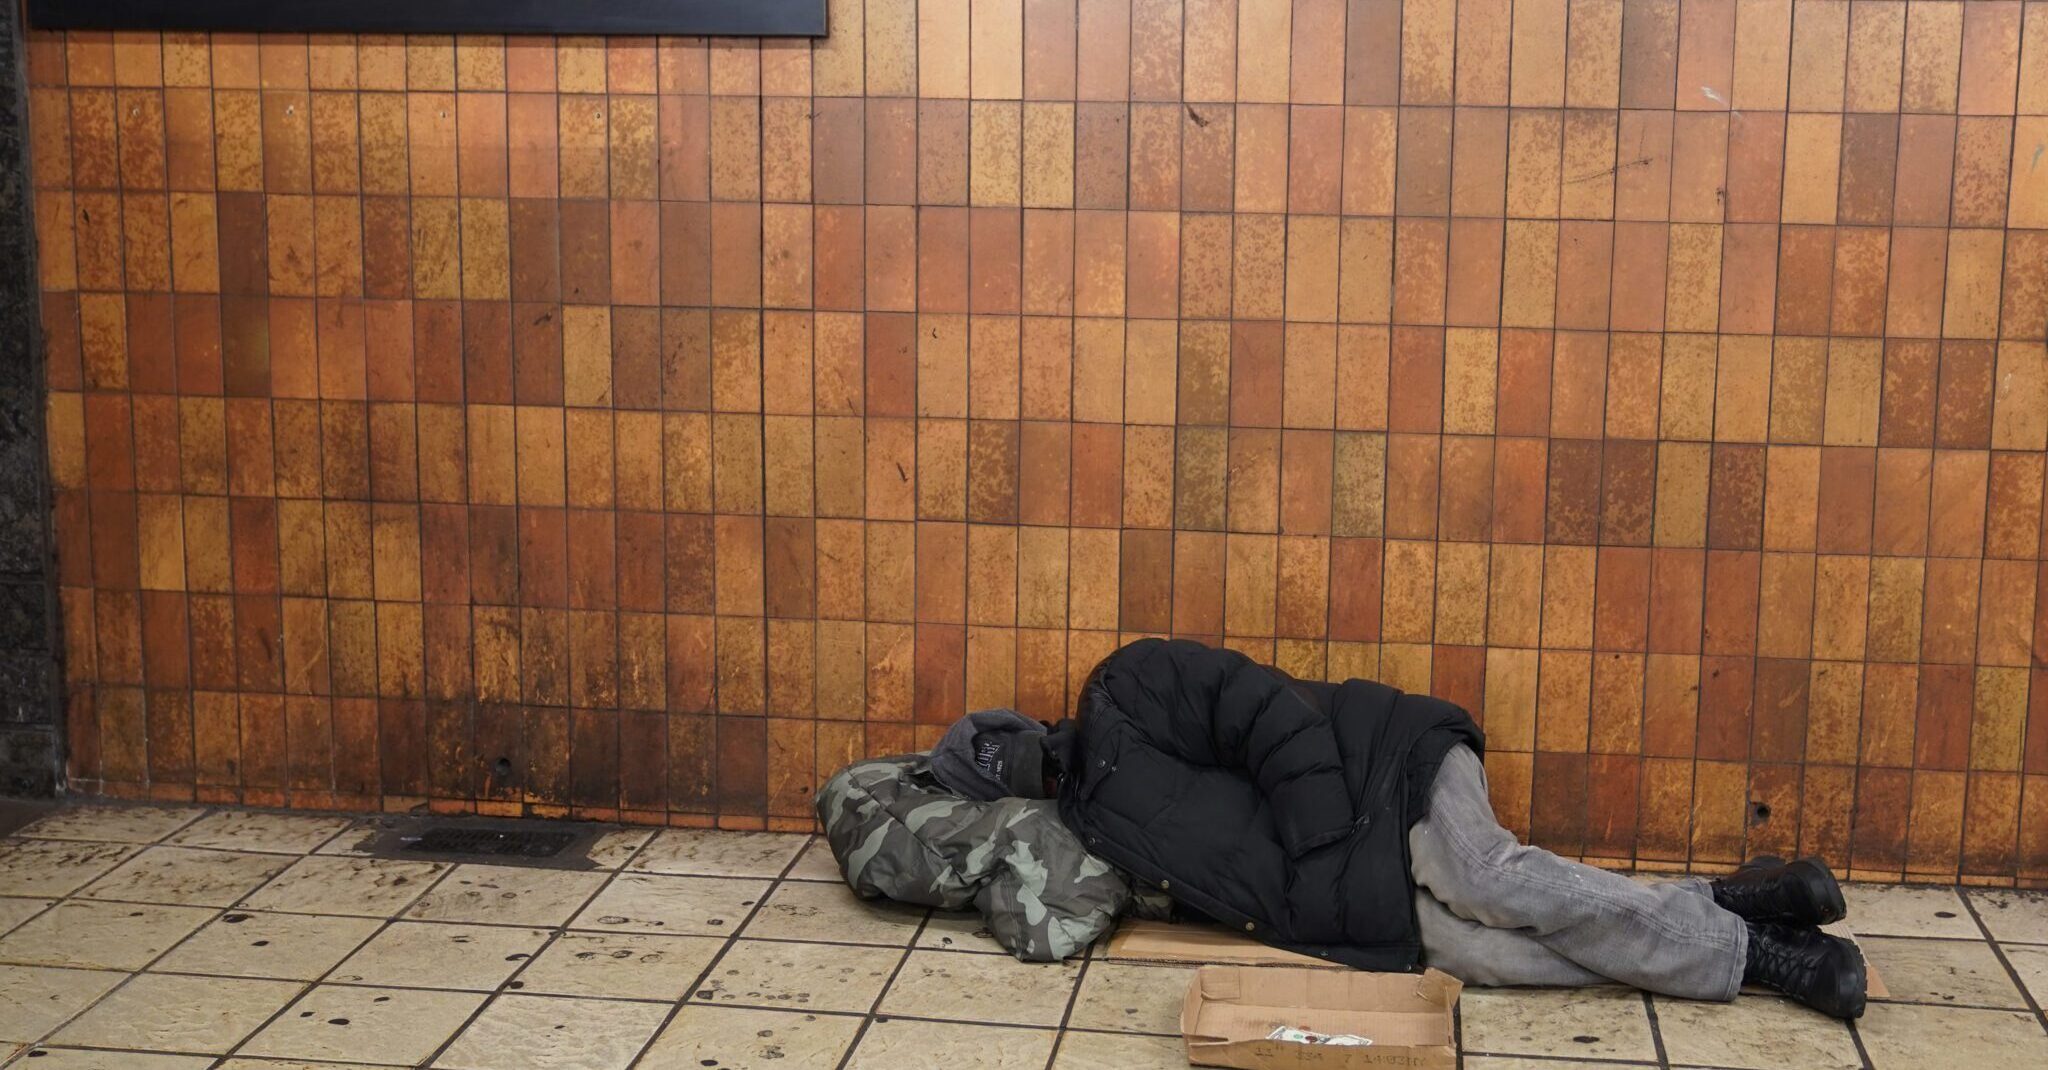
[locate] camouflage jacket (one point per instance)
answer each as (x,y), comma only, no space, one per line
(899,835)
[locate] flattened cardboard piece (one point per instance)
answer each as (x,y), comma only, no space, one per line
(1158,941)
(1409,1017)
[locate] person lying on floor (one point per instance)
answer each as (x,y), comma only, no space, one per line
(1348,821)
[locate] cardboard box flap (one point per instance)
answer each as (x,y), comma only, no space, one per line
(1231,1010)
(1159,941)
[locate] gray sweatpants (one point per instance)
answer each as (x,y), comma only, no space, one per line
(1496,912)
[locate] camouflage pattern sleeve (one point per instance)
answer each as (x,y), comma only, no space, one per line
(898,834)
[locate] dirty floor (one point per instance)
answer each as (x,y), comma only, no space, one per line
(168,939)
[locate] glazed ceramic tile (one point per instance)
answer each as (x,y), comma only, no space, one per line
(117,936)
(37,999)
(1131,999)
(1511,1062)
(239,1063)
(380,1026)
(55,867)
(2013,917)
(711,853)
(508,895)
(615,848)
(1904,910)
(1609,1023)
(160,1012)
(112,824)
(2031,963)
(1763,1032)
(291,947)
(417,954)
(1942,971)
(1901,1036)
(899,1044)
(1119,1051)
(813,911)
(799,977)
(689,906)
(249,830)
(619,965)
(47,1058)
(743,1038)
(365,887)
(948,930)
(187,876)
(981,988)
(15,911)
(520,1032)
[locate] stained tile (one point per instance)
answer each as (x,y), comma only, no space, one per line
(186,876)
(831,912)
(821,977)
(2011,916)
(51,1058)
(249,830)
(691,906)
(619,966)
(553,1033)
(981,988)
(37,999)
(160,1012)
(292,947)
(15,911)
(48,867)
(364,887)
(118,936)
(393,1026)
(1113,1051)
(111,824)
(1901,1036)
(507,895)
(742,1038)
(413,954)
(706,853)
(897,1043)
(1941,971)
(1756,1031)
(949,930)
(1899,910)
(1131,999)
(2031,963)
(1551,1021)
(816,863)
(616,848)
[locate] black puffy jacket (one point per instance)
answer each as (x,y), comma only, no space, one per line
(1274,806)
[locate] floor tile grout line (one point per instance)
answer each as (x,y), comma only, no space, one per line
(1059,1038)
(555,933)
(2013,975)
(860,1033)
(309,987)
(689,993)
(1656,1030)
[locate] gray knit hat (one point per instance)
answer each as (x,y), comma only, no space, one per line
(992,754)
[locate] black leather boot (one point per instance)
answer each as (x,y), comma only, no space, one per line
(1824,972)
(1792,893)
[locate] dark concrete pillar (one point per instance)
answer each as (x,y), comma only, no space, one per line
(30,710)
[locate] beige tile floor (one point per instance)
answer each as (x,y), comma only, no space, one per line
(181,939)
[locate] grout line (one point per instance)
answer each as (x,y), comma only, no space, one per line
(2004,961)
(1656,1029)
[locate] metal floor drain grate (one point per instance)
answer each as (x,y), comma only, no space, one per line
(462,841)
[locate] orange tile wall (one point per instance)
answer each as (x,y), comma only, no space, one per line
(643,428)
